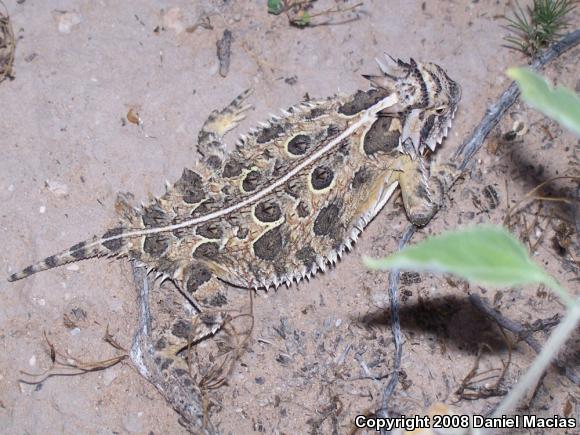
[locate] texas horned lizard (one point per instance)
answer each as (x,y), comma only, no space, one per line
(289,200)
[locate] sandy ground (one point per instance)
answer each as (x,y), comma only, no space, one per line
(67,149)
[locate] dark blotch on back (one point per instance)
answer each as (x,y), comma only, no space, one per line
(306,255)
(269,245)
(344,147)
(155,244)
(299,144)
(270,133)
(116,244)
(214,162)
(182,232)
(181,372)
(293,187)
(160,344)
(315,113)
(182,329)
(206,250)
(204,208)
(268,211)
(154,216)
(199,276)
(251,181)
(217,300)
(327,222)
(242,233)
(361,177)
(362,100)
(190,185)
(232,169)
(379,138)
(210,230)
(166,364)
(321,177)
(78,251)
(278,168)
(302,209)
(332,131)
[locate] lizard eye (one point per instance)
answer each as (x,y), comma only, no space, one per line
(441,110)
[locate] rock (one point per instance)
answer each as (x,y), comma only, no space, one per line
(66,21)
(56,187)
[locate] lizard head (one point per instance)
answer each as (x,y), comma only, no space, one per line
(427,101)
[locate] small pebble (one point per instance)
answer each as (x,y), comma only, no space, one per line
(213,68)
(75,331)
(66,21)
(42,209)
(30,57)
(56,187)
(32,361)
(73,267)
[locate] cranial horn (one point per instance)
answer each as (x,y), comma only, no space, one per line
(382,81)
(395,69)
(384,68)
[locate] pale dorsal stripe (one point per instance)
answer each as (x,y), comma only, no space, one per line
(368,117)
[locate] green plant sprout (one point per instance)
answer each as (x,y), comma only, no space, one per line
(539,25)
(298,14)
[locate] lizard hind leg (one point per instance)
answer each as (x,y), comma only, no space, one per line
(166,348)
(219,123)
(165,325)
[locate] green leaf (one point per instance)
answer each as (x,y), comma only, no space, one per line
(481,254)
(560,103)
(305,19)
(275,7)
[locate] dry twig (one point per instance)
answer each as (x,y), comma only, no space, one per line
(522,333)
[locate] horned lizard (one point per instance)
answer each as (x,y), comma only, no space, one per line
(291,198)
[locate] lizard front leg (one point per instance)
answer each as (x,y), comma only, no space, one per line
(423,187)
(218,124)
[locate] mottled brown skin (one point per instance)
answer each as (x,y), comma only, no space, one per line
(314,212)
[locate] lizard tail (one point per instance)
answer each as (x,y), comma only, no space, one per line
(110,244)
